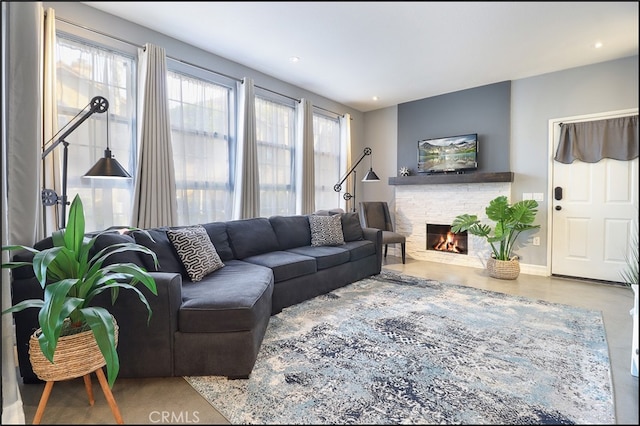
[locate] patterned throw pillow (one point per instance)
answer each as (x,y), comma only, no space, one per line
(326,230)
(196,251)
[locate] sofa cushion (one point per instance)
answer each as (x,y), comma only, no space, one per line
(326,257)
(351,227)
(291,231)
(218,234)
(106,239)
(249,237)
(168,259)
(360,249)
(285,265)
(326,230)
(226,300)
(196,251)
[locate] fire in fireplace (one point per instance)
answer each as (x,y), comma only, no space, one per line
(440,238)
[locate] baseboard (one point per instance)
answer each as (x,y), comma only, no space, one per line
(533,269)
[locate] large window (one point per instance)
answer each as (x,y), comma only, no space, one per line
(203,148)
(326,135)
(83,72)
(275,134)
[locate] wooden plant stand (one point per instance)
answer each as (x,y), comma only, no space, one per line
(87,384)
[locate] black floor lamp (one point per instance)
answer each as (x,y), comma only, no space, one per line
(105,167)
(369,177)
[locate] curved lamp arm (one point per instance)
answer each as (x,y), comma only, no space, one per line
(49,197)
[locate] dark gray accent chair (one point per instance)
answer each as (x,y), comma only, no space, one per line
(375,214)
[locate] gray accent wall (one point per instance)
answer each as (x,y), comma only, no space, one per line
(483,110)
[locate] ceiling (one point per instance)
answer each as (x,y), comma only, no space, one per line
(398,51)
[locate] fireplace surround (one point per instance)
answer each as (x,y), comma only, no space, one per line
(419,204)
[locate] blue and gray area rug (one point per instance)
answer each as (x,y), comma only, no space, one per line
(393,349)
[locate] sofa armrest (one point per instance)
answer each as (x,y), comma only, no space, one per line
(146,349)
(375,235)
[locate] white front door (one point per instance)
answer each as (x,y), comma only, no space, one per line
(593,217)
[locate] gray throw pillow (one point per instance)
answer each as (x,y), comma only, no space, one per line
(326,230)
(351,227)
(196,251)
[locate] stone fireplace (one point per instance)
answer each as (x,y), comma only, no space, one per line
(416,205)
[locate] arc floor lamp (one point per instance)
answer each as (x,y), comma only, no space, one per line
(369,177)
(105,167)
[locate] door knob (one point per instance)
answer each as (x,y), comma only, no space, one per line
(558,207)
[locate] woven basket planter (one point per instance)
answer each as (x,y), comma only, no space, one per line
(76,355)
(503,269)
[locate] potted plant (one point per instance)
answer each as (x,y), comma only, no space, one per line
(510,221)
(630,275)
(71,279)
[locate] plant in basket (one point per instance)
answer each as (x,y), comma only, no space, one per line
(509,222)
(71,276)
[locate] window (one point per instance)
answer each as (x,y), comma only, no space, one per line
(84,71)
(203,148)
(275,134)
(326,136)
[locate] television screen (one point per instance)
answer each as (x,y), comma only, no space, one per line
(450,154)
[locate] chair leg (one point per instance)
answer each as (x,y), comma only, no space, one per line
(403,251)
(386,247)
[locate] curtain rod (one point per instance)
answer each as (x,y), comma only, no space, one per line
(328,110)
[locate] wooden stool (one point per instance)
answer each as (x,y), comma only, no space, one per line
(87,384)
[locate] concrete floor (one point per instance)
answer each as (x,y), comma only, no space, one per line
(173,401)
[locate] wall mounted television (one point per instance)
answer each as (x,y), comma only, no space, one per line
(452,154)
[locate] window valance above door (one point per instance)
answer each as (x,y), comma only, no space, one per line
(591,141)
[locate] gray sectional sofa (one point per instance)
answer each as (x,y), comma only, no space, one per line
(215,325)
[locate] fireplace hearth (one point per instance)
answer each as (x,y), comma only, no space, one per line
(440,238)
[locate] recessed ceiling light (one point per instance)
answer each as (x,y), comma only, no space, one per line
(375,98)
(294,59)
(597,44)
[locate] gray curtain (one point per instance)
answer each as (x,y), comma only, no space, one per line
(155,203)
(247,185)
(591,141)
(20,164)
(306,194)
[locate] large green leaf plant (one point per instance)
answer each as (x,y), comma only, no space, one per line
(71,280)
(509,222)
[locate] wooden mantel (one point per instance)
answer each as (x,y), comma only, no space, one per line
(434,179)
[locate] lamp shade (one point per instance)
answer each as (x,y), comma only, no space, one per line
(371,176)
(107,167)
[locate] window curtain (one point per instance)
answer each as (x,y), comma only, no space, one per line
(345,144)
(276,148)
(305,195)
(247,187)
(52,175)
(21,109)
(201,149)
(154,202)
(591,141)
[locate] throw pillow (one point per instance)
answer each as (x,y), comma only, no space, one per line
(326,230)
(351,227)
(196,251)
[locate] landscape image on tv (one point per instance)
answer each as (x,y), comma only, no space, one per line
(454,153)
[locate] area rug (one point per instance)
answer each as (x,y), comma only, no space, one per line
(394,349)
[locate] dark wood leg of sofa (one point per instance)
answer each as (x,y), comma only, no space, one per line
(237,377)
(403,252)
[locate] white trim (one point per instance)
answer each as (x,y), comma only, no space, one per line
(553,122)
